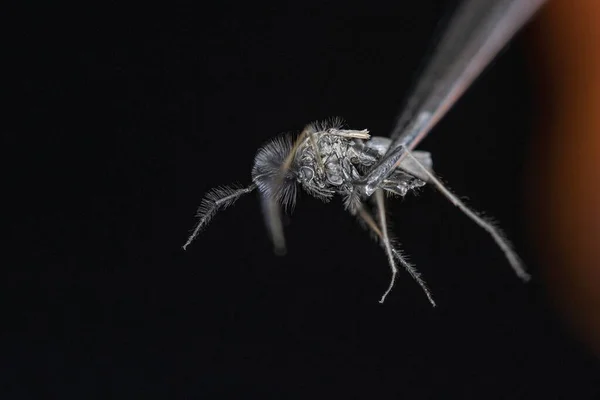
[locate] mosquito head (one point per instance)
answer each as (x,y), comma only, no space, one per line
(268,175)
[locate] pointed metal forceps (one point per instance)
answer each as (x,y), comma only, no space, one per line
(476,33)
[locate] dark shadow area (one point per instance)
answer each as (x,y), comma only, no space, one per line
(125,118)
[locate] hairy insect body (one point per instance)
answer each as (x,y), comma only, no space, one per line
(330,170)
(326,160)
(333,160)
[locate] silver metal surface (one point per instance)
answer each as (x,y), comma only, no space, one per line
(477,32)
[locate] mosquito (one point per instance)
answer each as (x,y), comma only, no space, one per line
(327,160)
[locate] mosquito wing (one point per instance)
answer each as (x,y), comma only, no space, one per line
(413,168)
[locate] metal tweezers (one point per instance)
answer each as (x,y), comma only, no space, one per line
(476,33)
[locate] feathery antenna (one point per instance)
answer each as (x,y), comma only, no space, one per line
(217,198)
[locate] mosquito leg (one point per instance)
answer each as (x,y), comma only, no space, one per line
(313,142)
(272,214)
(271,209)
(494,231)
(386,241)
(290,157)
(370,222)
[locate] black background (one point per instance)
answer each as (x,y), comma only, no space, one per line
(123,119)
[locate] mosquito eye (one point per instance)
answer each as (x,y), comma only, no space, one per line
(306,173)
